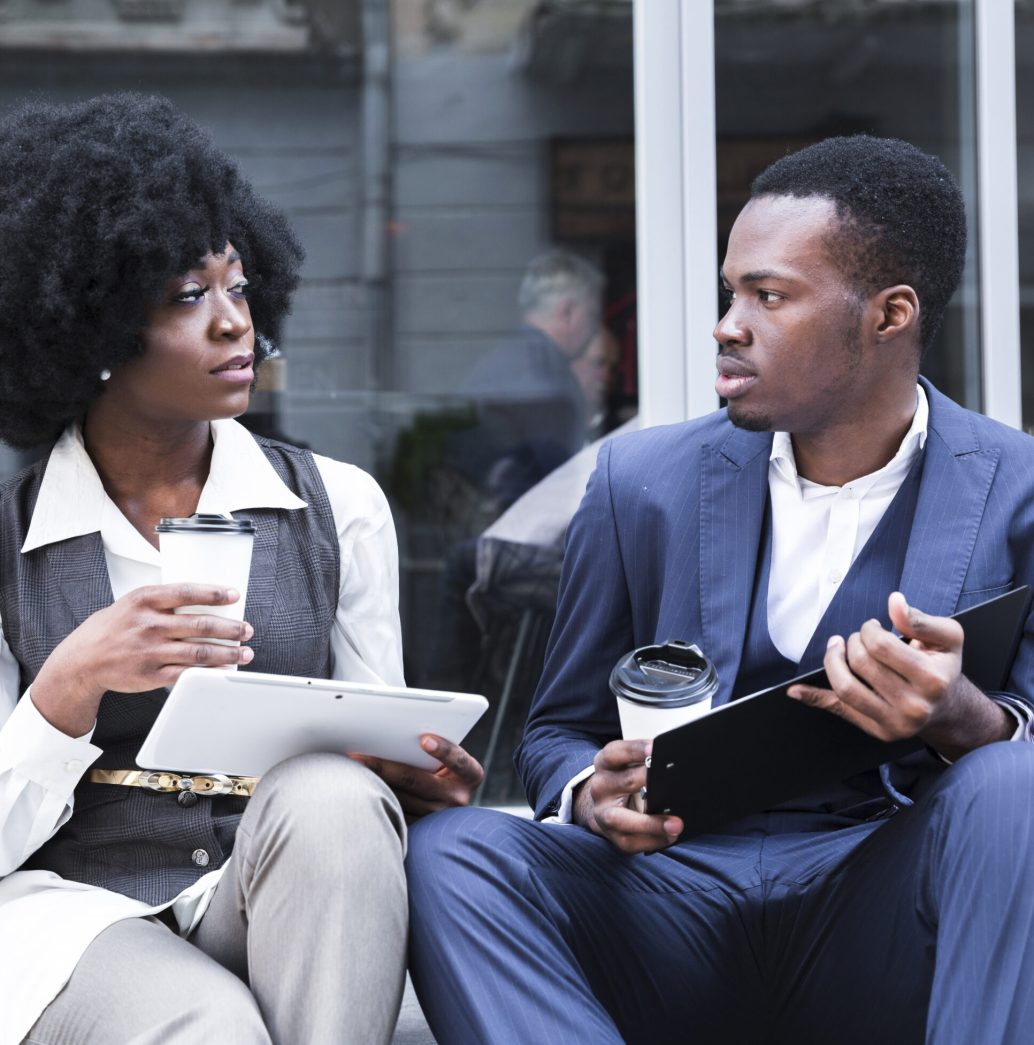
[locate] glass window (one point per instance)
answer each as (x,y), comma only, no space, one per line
(461,173)
(789,74)
(510,328)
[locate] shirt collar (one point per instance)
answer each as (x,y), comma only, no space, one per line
(784,464)
(240,477)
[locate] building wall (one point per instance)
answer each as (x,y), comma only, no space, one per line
(472,195)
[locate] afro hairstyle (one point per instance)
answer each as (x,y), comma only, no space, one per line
(901,216)
(101,204)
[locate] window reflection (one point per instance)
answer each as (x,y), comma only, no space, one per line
(789,74)
(513,323)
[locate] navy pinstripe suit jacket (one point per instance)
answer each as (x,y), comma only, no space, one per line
(665,544)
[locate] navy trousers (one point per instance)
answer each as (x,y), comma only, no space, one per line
(790,928)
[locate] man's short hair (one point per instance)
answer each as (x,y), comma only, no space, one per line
(902,218)
(555,274)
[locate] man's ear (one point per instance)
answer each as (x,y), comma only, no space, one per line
(897,311)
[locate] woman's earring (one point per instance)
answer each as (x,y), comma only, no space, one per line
(105,374)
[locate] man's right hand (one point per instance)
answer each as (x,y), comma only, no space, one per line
(601,803)
(138,643)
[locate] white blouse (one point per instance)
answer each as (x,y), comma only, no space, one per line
(46,921)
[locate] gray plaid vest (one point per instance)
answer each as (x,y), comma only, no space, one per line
(127,839)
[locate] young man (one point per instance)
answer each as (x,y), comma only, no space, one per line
(836,488)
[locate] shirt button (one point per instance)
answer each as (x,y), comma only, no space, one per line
(835,576)
(187,799)
(73,765)
(200,857)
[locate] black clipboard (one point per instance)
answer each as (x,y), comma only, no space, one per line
(765,748)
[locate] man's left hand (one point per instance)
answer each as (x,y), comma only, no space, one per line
(895,690)
(422,791)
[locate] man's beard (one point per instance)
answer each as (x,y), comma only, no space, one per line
(749,422)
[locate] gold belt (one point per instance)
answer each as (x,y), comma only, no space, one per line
(210,784)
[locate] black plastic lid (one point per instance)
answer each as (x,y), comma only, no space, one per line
(671,675)
(206,524)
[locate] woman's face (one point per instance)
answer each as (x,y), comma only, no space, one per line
(198,354)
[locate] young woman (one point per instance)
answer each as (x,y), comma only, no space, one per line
(141,283)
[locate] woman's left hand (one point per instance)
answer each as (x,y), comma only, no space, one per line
(422,791)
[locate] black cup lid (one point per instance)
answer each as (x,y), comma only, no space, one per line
(206,524)
(669,675)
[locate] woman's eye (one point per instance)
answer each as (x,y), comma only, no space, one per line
(190,295)
(239,289)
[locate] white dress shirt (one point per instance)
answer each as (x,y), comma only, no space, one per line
(818,532)
(46,921)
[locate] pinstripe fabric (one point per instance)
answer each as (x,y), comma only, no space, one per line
(762,662)
(125,839)
(666,544)
(807,925)
(787,929)
(571,927)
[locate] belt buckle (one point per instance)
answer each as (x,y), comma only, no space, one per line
(207,784)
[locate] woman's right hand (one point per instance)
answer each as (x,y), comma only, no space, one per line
(138,643)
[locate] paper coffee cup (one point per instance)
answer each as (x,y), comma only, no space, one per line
(208,549)
(660,687)
(642,722)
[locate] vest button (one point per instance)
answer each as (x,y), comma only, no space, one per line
(187,799)
(200,857)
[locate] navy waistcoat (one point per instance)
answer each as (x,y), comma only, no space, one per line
(875,573)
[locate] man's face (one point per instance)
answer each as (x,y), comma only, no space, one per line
(597,367)
(790,355)
(578,322)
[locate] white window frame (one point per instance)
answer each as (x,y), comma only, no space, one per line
(998,209)
(676,203)
(676,213)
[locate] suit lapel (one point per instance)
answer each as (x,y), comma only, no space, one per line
(733,494)
(957,477)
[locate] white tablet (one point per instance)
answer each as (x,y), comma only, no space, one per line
(243,723)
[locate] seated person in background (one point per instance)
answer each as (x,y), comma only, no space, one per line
(531,409)
(532,414)
(896,906)
(141,281)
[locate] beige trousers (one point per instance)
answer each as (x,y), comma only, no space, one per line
(304,942)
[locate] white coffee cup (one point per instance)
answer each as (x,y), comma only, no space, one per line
(208,549)
(644,722)
(660,687)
